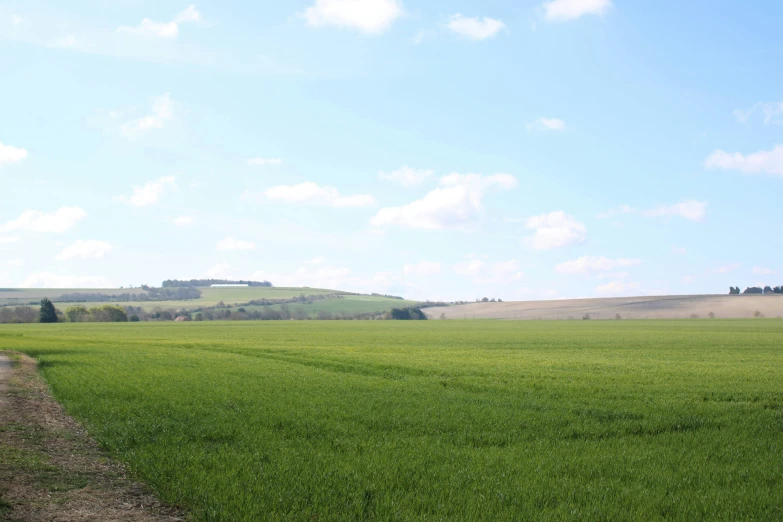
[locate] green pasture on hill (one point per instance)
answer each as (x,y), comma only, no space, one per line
(433,420)
(209,296)
(349,304)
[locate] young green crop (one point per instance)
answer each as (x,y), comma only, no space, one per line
(433,420)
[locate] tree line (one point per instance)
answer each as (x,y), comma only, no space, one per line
(176,283)
(756,290)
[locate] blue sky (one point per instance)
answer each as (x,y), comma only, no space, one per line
(444,150)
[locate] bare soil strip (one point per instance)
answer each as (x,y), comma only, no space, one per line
(50,469)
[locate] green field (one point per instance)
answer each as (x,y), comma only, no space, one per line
(209,296)
(433,420)
(349,304)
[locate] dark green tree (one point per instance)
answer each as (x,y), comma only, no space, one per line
(47,314)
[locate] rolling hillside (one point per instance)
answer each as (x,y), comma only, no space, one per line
(339,303)
(660,307)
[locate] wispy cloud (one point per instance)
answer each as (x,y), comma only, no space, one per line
(85,249)
(590,264)
(564,10)
(230,243)
(310,193)
(555,230)
(407,176)
(162,111)
(422,268)
(474,28)
(547,124)
(367,16)
(149,193)
(758,270)
(691,210)
(148,28)
(10,154)
(455,204)
(61,220)
(725,269)
(688,209)
(762,162)
(260,162)
(771,112)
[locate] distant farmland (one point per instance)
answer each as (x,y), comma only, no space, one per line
(345,304)
(648,307)
(432,420)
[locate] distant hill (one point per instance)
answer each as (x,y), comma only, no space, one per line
(660,307)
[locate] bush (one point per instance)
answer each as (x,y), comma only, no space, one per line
(77,313)
(109,314)
(134,318)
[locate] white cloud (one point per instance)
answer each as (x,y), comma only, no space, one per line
(563,10)
(7,240)
(10,154)
(15,263)
(169,30)
(679,250)
(368,16)
(765,161)
(555,230)
(770,110)
(407,176)
(183,221)
(313,194)
(36,221)
(764,271)
(162,112)
(256,162)
(547,124)
(220,271)
(456,204)
(691,210)
(230,243)
(616,288)
(149,193)
(16,20)
(317,260)
(482,272)
(727,268)
(588,264)
(474,27)
(622,209)
(687,280)
(81,249)
(422,268)
(51,280)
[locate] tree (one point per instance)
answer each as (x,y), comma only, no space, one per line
(47,313)
(767,290)
(77,313)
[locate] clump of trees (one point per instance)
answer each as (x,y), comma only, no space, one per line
(98,314)
(407,314)
(149,294)
(192,283)
(755,290)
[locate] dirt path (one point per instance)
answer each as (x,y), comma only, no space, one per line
(50,469)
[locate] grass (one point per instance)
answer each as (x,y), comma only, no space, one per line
(349,304)
(209,296)
(436,420)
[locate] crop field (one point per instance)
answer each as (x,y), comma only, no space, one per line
(351,304)
(209,296)
(432,420)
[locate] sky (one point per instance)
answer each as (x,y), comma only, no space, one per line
(443,150)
